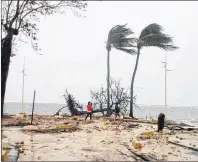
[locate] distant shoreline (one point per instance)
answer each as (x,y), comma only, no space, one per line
(140,105)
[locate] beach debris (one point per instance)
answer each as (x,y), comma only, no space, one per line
(188,147)
(106,123)
(110,142)
(102,119)
(132,125)
(43,146)
(164,156)
(180,138)
(89,131)
(97,128)
(22,142)
(152,156)
(75,117)
(136,144)
(182,128)
(86,149)
(141,155)
(133,156)
(65,126)
(57,129)
(148,135)
(89,121)
(154,121)
(96,116)
(102,141)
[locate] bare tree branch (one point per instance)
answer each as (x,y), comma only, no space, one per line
(118,94)
(7,14)
(16,14)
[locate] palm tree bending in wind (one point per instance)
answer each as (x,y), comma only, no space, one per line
(118,39)
(151,36)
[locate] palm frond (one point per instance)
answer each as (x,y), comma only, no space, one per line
(127,50)
(119,38)
(157,38)
(153,36)
(151,29)
(118,29)
(165,47)
(125,42)
(117,33)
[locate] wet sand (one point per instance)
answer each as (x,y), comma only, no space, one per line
(100,141)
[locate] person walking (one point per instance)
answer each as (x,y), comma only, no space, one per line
(89,110)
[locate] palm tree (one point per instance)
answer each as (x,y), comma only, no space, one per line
(118,39)
(151,36)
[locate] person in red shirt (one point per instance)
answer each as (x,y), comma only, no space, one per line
(89,111)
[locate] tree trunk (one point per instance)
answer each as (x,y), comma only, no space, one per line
(78,113)
(108,78)
(5,63)
(101,109)
(132,83)
(33,107)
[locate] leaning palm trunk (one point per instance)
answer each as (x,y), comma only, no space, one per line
(119,39)
(151,36)
(132,83)
(108,78)
(5,62)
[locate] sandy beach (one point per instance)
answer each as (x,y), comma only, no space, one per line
(100,140)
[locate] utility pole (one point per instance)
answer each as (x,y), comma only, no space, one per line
(165,68)
(22,112)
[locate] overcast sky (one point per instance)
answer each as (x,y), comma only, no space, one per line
(74,54)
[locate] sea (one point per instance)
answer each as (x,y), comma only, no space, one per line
(176,113)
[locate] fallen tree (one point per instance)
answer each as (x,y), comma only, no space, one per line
(118,94)
(99,98)
(74,107)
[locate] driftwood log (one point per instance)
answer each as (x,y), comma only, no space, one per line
(132,155)
(188,147)
(142,156)
(179,127)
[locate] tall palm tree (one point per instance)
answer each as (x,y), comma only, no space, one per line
(151,36)
(118,39)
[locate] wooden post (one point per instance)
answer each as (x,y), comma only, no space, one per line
(33,107)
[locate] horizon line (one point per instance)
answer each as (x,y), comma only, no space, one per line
(193,106)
